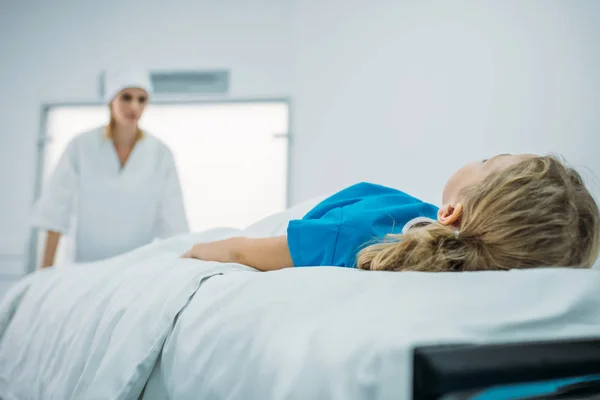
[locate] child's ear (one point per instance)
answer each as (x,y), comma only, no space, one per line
(450,214)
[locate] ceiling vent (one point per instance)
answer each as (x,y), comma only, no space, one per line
(184,82)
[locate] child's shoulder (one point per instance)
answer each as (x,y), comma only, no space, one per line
(375,194)
(372,189)
(367,198)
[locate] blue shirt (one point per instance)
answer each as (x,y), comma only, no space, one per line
(335,230)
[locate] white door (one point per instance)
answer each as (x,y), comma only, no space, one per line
(231,157)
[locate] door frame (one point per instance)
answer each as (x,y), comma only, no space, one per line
(43,139)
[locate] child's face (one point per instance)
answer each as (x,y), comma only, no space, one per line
(475,172)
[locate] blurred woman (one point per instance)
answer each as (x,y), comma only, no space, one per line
(118,184)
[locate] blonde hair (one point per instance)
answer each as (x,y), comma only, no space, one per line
(537,213)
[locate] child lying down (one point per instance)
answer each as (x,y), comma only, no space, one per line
(510,211)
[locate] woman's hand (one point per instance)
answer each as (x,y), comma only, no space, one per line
(225,251)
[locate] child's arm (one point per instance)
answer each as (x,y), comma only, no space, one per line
(266,254)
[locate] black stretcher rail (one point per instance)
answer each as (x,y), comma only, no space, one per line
(441,370)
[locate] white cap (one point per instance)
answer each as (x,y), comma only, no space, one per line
(115,81)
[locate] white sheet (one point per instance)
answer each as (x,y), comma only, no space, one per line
(95,331)
(335,333)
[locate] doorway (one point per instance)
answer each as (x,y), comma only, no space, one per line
(231,157)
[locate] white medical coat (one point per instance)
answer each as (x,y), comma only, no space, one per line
(114,209)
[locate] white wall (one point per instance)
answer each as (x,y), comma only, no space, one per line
(404,92)
(53,51)
(398,92)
